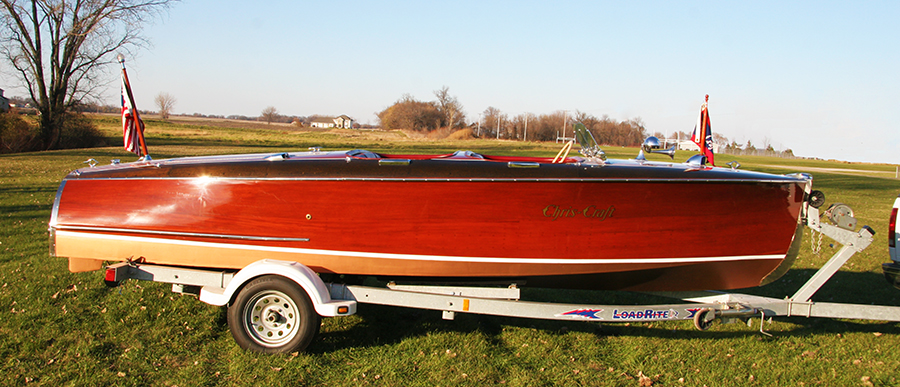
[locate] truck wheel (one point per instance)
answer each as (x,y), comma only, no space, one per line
(273,314)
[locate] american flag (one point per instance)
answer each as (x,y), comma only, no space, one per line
(702,135)
(130,133)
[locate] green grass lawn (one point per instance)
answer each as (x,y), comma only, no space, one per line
(60,328)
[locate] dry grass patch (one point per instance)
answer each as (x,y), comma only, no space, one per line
(462,134)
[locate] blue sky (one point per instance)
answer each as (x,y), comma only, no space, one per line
(820,78)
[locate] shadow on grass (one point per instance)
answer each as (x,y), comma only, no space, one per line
(868,288)
(47,188)
(385,325)
(28,212)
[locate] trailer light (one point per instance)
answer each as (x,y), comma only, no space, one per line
(892,229)
(109,278)
(343,310)
(110,275)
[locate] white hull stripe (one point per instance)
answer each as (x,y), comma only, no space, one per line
(415,257)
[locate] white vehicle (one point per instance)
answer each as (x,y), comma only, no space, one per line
(892,269)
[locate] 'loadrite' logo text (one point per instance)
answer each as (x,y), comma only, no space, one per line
(555,212)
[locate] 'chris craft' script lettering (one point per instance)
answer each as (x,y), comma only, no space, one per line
(555,212)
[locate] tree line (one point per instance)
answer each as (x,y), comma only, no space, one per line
(447,114)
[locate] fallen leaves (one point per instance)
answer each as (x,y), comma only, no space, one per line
(643,380)
(69,289)
(866,381)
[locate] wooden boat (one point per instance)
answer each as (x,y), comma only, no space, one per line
(580,222)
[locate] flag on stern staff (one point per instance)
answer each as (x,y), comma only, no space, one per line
(702,135)
(132,125)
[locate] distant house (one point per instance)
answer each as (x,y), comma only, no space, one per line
(341,121)
(688,145)
(4,102)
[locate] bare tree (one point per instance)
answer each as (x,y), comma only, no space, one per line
(450,108)
(493,117)
(720,139)
(58,48)
(165,102)
(269,114)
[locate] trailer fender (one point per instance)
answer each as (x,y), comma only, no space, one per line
(302,275)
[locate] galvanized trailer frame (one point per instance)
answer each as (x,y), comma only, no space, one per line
(703,307)
(335,299)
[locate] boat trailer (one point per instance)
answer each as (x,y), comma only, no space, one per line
(268,313)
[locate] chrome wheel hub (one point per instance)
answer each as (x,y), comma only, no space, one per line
(271,318)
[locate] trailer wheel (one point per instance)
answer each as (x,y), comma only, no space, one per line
(273,314)
(704,319)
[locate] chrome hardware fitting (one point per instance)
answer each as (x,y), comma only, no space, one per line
(589,147)
(522,164)
(651,145)
(393,162)
(696,161)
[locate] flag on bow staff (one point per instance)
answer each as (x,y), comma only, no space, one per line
(702,135)
(132,125)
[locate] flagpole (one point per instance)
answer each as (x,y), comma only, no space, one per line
(139,125)
(706,129)
(703,115)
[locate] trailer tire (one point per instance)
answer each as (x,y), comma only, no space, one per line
(273,314)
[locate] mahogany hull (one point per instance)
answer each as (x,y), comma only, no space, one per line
(628,226)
